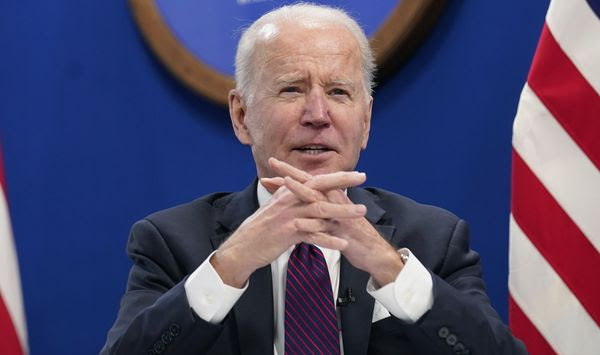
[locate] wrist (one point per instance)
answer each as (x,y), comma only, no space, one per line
(388,268)
(229,269)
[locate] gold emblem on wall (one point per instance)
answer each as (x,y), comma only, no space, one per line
(402,30)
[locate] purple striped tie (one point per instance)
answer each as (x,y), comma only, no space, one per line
(310,318)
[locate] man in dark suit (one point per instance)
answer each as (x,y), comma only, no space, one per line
(224,274)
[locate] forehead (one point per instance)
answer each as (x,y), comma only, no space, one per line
(330,49)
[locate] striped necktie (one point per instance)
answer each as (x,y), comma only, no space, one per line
(310,317)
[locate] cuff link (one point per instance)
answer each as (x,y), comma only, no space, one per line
(404,255)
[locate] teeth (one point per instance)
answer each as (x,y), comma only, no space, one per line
(313,147)
(314,151)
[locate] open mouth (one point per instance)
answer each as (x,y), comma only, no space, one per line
(314,149)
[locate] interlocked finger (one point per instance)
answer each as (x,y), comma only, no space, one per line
(303,192)
(336,181)
(314,225)
(325,240)
(272,184)
(337,196)
(327,210)
(285,169)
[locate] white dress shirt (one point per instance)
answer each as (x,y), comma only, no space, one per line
(407,298)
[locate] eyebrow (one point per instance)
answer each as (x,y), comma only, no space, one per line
(342,82)
(295,79)
(290,79)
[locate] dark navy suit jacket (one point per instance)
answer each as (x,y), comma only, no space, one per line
(155,316)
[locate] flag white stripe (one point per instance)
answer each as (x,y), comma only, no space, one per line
(10,284)
(576,28)
(547,301)
(557,161)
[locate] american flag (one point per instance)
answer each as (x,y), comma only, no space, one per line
(13,331)
(554,275)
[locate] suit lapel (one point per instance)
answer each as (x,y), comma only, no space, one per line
(234,209)
(253,312)
(356,317)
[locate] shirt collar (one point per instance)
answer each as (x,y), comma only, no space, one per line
(262,194)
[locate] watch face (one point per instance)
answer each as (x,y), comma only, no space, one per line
(197,40)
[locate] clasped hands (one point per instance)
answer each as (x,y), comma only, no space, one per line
(309,209)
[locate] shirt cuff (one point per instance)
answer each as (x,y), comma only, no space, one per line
(208,296)
(410,295)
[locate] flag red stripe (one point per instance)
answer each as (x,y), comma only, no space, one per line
(9,342)
(523,329)
(567,95)
(556,237)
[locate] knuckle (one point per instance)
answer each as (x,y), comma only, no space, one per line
(300,225)
(315,196)
(290,228)
(323,208)
(321,224)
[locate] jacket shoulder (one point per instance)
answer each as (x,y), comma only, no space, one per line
(184,223)
(204,206)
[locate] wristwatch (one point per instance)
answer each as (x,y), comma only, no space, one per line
(404,254)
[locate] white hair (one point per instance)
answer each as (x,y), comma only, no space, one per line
(308,15)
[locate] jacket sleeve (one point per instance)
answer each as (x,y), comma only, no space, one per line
(461,319)
(155,316)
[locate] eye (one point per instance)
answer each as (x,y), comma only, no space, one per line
(290,89)
(339,92)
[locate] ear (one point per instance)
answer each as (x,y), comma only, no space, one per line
(367,124)
(237,113)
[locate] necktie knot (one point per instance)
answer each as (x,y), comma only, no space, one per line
(304,250)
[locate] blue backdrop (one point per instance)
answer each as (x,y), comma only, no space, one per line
(96,134)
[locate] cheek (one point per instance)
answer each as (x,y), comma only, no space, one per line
(354,126)
(268,134)
(281,121)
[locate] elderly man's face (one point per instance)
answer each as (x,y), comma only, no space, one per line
(309,106)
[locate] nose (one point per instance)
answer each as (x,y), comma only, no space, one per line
(316,111)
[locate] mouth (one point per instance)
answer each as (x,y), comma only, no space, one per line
(313,149)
